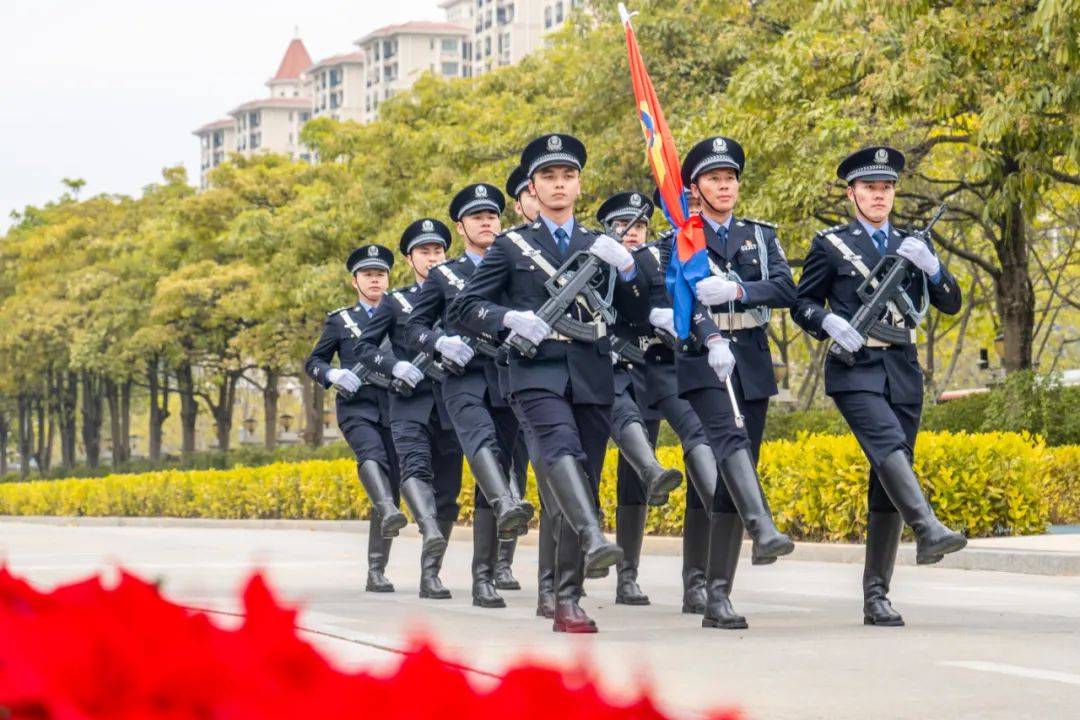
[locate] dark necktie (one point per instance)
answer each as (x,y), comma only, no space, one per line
(370,311)
(881,240)
(562,240)
(721,238)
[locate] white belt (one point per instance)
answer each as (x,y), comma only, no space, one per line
(875,343)
(736,321)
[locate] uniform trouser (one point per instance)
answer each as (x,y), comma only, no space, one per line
(373,441)
(684,421)
(561,427)
(713,408)
(432,455)
(881,427)
(479,425)
(625,411)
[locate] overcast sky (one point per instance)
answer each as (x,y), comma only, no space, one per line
(110,90)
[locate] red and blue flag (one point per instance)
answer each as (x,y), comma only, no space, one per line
(689,261)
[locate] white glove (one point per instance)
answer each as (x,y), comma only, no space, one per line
(717,290)
(720,358)
(841,331)
(453,348)
(920,255)
(612,252)
(344,379)
(663,318)
(407,373)
(527,325)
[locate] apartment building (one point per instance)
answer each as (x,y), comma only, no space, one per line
(336,87)
(396,55)
(505,31)
(217,140)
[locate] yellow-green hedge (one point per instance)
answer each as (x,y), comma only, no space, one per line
(987,484)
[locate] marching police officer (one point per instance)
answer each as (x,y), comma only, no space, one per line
(730,345)
(880,396)
(363,408)
(426,445)
(527,207)
(659,390)
(634,425)
(564,392)
(485,424)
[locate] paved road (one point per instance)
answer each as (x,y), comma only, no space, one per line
(978,644)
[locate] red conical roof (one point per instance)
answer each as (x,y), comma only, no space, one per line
(295,62)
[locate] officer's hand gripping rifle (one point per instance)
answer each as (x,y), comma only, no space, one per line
(367,377)
(479,347)
(579,275)
(877,292)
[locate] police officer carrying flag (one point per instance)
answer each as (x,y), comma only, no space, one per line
(363,412)
(730,345)
(425,441)
(880,395)
(485,424)
(565,390)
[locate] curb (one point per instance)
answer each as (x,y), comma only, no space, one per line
(1029,562)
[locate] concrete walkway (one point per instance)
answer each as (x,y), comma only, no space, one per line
(978,644)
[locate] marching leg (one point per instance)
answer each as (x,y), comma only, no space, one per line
(377,486)
(431,587)
(633,442)
(420,497)
(378,556)
(569,616)
(932,539)
(510,515)
(485,549)
(741,481)
(882,540)
(725,539)
(629,534)
(569,487)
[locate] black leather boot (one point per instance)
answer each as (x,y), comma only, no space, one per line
(545,575)
(510,515)
(657,480)
(378,553)
(725,539)
(569,485)
(378,489)
(431,587)
(420,497)
(629,534)
(882,540)
(702,473)
(932,539)
(741,480)
(569,616)
(485,550)
(695,558)
(504,573)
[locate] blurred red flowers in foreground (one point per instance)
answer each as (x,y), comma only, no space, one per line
(86,651)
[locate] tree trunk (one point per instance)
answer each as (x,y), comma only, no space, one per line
(125,417)
(1015,294)
(4,428)
(39,449)
(223,409)
(189,408)
(67,405)
(25,435)
(270,409)
(50,436)
(311,393)
(112,399)
(159,409)
(91,418)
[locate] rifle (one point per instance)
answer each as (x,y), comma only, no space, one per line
(579,275)
(426,363)
(367,377)
(627,350)
(479,347)
(877,292)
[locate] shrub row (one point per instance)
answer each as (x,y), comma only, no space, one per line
(987,484)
